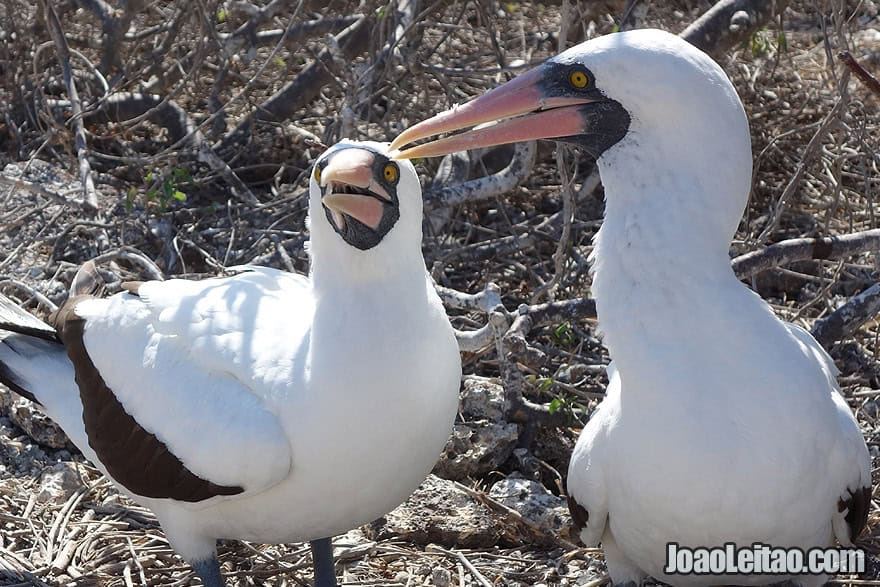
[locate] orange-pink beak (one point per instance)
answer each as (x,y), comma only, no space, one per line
(353,167)
(523,108)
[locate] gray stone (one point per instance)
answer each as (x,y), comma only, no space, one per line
(533,502)
(42,176)
(59,482)
(475,448)
(441,577)
(37,425)
(483,399)
(439,512)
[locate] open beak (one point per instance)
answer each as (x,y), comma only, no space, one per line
(350,188)
(521,105)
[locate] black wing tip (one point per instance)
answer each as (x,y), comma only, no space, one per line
(47,333)
(857,506)
(13,318)
(10,379)
(579,516)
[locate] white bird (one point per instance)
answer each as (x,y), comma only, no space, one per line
(265,406)
(721,423)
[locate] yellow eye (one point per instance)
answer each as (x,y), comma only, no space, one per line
(317,174)
(390,172)
(578,79)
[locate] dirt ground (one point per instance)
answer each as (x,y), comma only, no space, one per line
(200,122)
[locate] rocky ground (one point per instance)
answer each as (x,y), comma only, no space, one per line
(169,201)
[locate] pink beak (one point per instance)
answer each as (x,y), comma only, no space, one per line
(536,117)
(353,167)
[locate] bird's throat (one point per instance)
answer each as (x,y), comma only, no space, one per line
(659,261)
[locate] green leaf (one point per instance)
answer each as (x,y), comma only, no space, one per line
(167,187)
(554,406)
(546,383)
(181,175)
(179,196)
(148,177)
(129,199)
(615,29)
(221,15)
(279,61)
(782,41)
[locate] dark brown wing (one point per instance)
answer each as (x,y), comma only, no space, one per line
(134,457)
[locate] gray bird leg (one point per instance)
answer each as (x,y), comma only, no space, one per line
(322,559)
(208,571)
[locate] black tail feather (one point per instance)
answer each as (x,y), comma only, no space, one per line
(18,353)
(14,319)
(11,380)
(22,334)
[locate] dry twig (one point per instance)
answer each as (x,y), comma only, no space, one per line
(860,72)
(90,196)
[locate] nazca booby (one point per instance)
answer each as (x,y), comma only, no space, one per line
(721,423)
(266,406)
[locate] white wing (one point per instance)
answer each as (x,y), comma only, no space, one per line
(195,364)
(850,461)
(586,475)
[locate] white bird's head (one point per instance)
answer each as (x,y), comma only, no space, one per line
(644,103)
(365,211)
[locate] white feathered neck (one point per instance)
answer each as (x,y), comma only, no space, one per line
(397,259)
(675,190)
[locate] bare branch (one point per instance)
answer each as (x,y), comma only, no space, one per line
(484,188)
(487,300)
(305,87)
(257,19)
(730,22)
(90,196)
(848,318)
(132,255)
(860,72)
(114,33)
(471,341)
(167,113)
(559,312)
(37,296)
(810,152)
(295,34)
(528,317)
(520,409)
(454,169)
(803,249)
(100,8)
(568,207)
